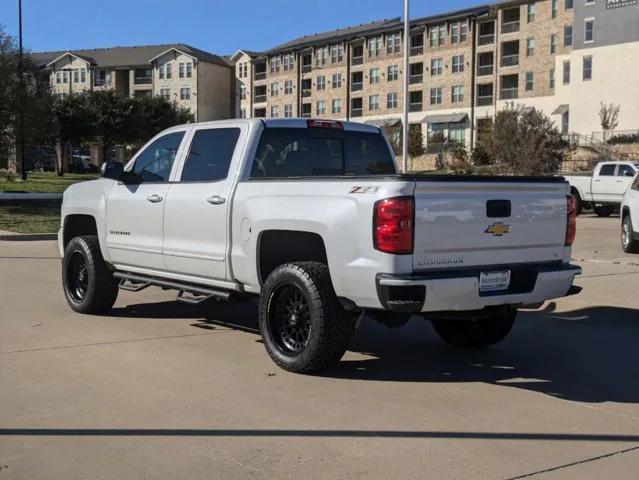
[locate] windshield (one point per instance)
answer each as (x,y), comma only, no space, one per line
(313,152)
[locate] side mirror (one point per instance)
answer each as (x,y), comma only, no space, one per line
(112,170)
(629,173)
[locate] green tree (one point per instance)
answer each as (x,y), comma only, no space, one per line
(525,143)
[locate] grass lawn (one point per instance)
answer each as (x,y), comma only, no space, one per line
(30,216)
(45,182)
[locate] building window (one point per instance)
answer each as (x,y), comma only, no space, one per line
(76,76)
(58,77)
(242,113)
(551,79)
(165,70)
(321,56)
(587,68)
(83,75)
(509,89)
(321,82)
(102,77)
(415,101)
(530,47)
(185,93)
(189,70)
(337,53)
(463,31)
(458,64)
(181,70)
(531,10)
(553,43)
(374,46)
(245,71)
(65,76)
(436,96)
(442,35)
(457,93)
(275,89)
(485,94)
(567,35)
(275,63)
(336,106)
(393,73)
(529,81)
(436,66)
(568,5)
(454,33)
(566,72)
(373,102)
(337,80)
(165,93)
(393,43)
(565,122)
(320,108)
(288,61)
(589,30)
(275,111)
(391,100)
(432,36)
(242,92)
(288,87)
(374,75)
(288,110)
(356,107)
(553,8)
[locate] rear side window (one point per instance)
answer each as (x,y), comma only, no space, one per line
(210,155)
(607,170)
(319,152)
(625,171)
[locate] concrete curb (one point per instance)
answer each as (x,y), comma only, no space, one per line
(29,196)
(28,237)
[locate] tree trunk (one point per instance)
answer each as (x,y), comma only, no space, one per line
(62,157)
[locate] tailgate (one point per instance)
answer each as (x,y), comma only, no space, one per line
(488,222)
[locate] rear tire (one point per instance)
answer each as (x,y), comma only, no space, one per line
(303,326)
(579,204)
(604,210)
(89,286)
(477,332)
(628,243)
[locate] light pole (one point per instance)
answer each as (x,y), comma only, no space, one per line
(21,73)
(405,113)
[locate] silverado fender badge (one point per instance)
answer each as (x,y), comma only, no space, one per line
(497,229)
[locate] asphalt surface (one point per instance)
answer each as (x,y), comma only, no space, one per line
(164,390)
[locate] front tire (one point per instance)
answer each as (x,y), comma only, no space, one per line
(89,286)
(483,330)
(604,210)
(303,326)
(628,243)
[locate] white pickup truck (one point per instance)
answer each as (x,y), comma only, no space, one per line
(604,188)
(311,217)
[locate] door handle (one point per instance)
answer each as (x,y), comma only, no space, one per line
(154,198)
(216,200)
(619,181)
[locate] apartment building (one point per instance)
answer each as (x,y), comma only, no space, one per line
(464,66)
(194,79)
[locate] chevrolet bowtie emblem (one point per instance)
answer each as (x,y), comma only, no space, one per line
(497,229)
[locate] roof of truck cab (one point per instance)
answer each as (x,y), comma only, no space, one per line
(284,123)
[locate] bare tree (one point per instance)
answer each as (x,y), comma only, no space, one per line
(608,116)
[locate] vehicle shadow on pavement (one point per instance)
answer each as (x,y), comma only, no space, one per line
(587,355)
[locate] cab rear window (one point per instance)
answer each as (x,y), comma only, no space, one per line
(318,152)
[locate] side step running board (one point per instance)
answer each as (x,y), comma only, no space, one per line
(134,283)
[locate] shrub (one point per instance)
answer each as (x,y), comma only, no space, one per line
(7,175)
(624,138)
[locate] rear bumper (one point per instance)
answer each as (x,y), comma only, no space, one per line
(458,289)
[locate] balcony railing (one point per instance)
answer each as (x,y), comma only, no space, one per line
(487,39)
(306,92)
(259,98)
(417,78)
(417,50)
(355,86)
(356,112)
(259,76)
(306,68)
(510,27)
(305,114)
(142,80)
(509,93)
(484,100)
(415,107)
(509,60)
(484,70)
(357,60)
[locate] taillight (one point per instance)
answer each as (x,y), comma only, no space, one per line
(571,221)
(393,225)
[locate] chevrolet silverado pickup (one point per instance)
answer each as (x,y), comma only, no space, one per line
(312,218)
(604,188)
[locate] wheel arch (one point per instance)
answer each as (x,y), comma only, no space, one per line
(76,225)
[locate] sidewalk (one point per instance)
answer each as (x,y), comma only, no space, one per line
(20,237)
(29,196)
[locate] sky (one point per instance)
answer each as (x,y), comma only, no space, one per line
(218,26)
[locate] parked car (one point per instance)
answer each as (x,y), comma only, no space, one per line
(630,218)
(311,217)
(81,161)
(41,157)
(604,188)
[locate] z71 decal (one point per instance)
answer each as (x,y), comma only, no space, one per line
(364,189)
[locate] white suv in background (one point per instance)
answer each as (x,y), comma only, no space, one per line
(630,218)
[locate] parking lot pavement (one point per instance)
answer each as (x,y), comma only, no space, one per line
(163,390)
